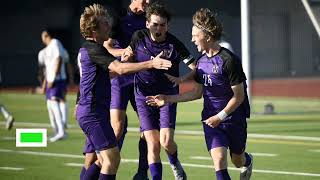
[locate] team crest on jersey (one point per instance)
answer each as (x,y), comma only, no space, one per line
(215,69)
(168,52)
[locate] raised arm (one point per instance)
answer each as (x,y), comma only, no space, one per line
(126,68)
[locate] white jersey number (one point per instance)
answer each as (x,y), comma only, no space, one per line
(207,80)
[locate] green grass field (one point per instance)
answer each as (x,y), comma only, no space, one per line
(288,155)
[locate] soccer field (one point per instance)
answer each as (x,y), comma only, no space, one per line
(286,146)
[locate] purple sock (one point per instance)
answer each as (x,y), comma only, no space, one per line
(223,175)
(248,160)
(107,177)
(156,171)
(83,171)
(173,158)
(92,172)
(143,157)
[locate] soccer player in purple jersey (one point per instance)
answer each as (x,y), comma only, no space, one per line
(158,124)
(122,87)
(93,106)
(222,82)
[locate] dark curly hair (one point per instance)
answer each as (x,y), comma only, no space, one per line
(158,9)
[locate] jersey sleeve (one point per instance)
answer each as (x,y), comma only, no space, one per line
(41,57)
(56,49)
(184,54)
(62,51)
(100,56)
(197,77)
(234,71)
(136,37)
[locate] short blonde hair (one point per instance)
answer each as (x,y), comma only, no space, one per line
(205,20)
(89,20)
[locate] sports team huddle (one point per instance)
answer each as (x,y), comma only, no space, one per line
(136,59)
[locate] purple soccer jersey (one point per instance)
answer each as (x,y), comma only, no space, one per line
(122,86)
(94,99)
(125,25)
(153,81)
(217,74)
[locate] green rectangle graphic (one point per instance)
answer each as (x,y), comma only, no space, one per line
(31,137)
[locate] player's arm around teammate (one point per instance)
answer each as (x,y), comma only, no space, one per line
(158,124)
(94,87)
(226,105)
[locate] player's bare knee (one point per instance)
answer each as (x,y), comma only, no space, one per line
(154,147)
(115,156)
(90,158)
(220,161)
(219,158)
(167,143)
(237,161)
(89,161)
(98,163)
(111,159)
(87,165)
(164,141)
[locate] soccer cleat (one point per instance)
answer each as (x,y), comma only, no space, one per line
(9,122)
(246,172)
(178,171)
(56,138)
(140,176)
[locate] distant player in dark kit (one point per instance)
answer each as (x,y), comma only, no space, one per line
(158,124)
(221,80)
(122,87)
(93,110)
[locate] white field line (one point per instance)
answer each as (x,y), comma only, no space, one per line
(42,153)
(187,132)
(211,167)
(254,154)
(43,125)
(200,158)
(314,150)
(167,163)
(11,168)
(264,154)
(6,138)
